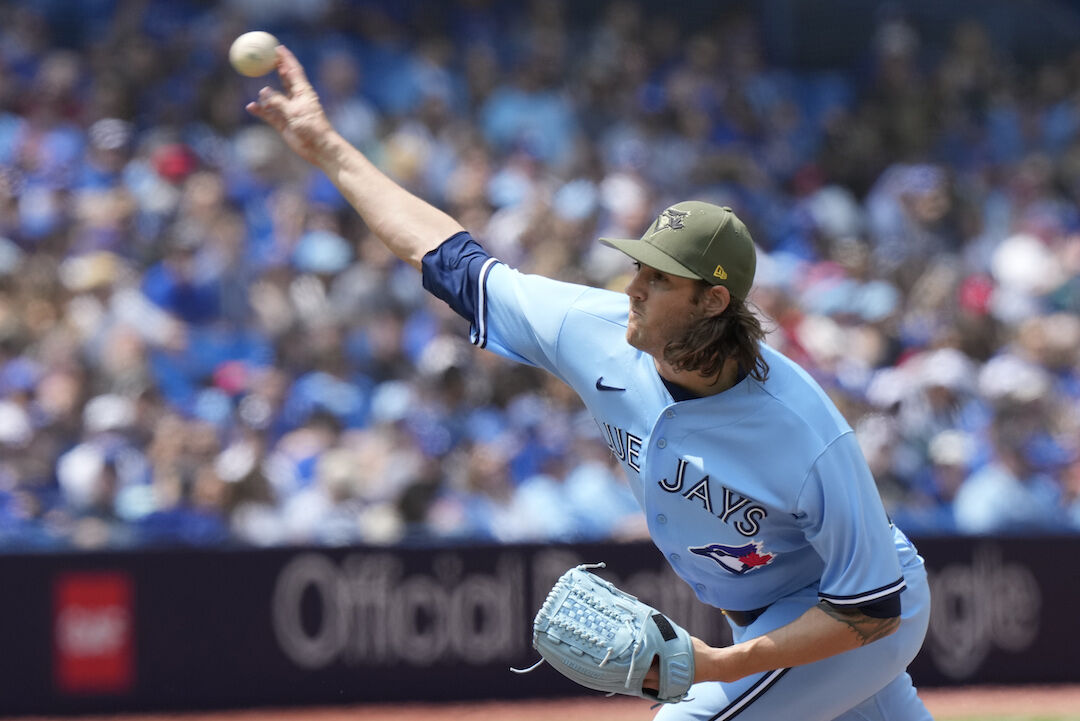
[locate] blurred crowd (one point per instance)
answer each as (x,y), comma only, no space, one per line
(201,344)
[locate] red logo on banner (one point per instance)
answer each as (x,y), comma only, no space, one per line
(93,632)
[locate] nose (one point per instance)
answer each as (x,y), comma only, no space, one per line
(636,287)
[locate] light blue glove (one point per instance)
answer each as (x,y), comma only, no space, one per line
(606,639)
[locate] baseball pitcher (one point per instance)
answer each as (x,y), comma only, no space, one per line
(752,483)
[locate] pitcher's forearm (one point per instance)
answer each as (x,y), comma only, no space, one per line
(822,631)
(410,227)
(407,225)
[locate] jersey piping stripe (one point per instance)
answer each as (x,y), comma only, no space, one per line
(894,587)
(750,695)
(481,303)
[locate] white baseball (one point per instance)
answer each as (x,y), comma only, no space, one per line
(252,53)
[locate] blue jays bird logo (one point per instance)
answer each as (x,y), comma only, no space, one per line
(737,559)
(672,219)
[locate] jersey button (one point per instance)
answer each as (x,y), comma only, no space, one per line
(699,586)
(675,557)
(661,518)
(669,414)
(661,443)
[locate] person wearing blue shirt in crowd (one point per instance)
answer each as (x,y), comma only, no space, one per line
(1015,492)
(752,482)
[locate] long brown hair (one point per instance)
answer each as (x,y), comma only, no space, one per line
(735,333)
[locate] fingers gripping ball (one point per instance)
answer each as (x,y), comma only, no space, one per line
(605,639)
(252,53)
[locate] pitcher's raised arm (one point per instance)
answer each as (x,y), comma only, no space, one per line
(409,226)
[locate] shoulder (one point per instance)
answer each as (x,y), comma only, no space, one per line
(571,298)
(797,399)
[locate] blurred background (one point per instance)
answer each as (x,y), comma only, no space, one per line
(205,357)
(201,344)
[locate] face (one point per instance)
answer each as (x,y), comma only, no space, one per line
(662,307)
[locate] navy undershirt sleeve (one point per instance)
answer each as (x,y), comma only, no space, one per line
(888,607)
(451,273)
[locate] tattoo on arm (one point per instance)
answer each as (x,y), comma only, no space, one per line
(867,628)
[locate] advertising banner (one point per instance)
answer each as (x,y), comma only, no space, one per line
(93,647)
(175,630)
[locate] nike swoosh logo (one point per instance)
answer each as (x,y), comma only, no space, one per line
(601,387)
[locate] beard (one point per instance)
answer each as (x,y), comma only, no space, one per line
(655,337)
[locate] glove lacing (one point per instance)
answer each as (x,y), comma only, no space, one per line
(573,628)
(563,623)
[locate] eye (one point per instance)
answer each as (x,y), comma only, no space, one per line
(651,276)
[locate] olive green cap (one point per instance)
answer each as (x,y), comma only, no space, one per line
(693,239)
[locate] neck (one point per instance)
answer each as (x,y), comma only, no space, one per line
(698,383)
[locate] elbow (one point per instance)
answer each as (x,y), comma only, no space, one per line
(872,629)
(863,629)
(894,625)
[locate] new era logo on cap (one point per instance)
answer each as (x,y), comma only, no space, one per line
(700,240)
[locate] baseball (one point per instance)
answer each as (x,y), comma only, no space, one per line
(252,53)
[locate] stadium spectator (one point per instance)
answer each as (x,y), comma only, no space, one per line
(200,344)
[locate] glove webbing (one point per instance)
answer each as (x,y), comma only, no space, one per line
(586,632)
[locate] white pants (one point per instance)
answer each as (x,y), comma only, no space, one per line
(869,683)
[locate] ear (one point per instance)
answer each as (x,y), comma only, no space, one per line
(715,301)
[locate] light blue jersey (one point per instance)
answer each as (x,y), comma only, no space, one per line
(759,496)
(741,520)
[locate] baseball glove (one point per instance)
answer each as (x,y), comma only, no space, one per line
(606,639)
